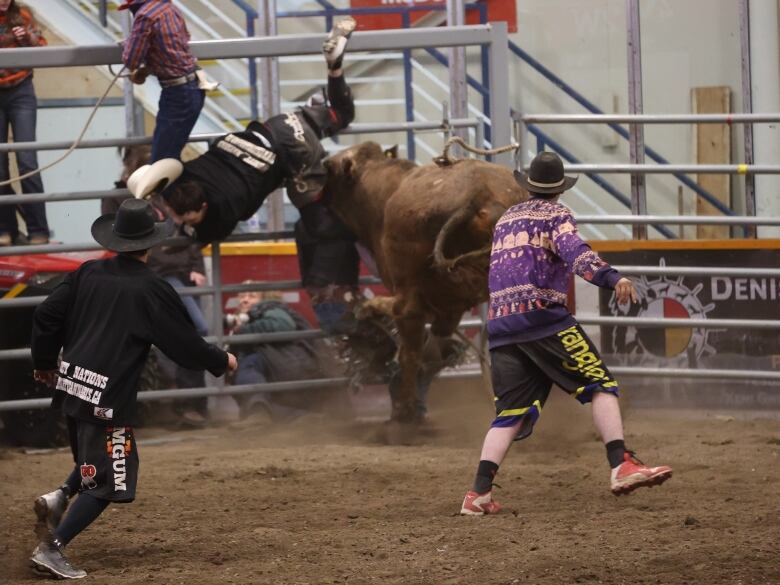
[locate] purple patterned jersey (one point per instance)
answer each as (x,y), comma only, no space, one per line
(536,248)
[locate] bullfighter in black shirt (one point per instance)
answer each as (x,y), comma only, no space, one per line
(104,317)
(230,182)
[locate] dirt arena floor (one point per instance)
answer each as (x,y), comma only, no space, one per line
(322,502)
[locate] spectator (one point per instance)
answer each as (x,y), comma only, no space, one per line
(18,109)
(282,361)
(180,266)
(159,45)
(246,300)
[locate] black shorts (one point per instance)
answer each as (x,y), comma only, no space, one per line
(523,374)
(107,458)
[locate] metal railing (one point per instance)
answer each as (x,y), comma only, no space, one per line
(622,132)
(493,37)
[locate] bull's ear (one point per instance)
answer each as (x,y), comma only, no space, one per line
(348,168)
(391,152)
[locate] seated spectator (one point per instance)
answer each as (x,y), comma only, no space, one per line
(283,361)
(18,109)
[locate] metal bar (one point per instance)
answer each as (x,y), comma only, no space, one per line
(282,45)
(484,58)
(196,290)
(87,247)
(567,156)
(698,271)
(747,107)
(52,197)
(739,169)
(703,373)
(456,16)
(598,179)
(679,219)
(588,105)
(248,10)
(636,132)
(650,118)
(269,73)
(480,87)
(128,96)
(216,275)
(411,152)
(357,128)
(680,323)
(254,98)
(152,395)
(500,120)
(244,338)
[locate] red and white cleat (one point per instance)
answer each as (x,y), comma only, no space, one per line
(632,474)
(475,504)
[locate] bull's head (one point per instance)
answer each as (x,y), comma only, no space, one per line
(345,166)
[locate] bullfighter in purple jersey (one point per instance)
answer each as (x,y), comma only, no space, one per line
(159,45)
(535,342)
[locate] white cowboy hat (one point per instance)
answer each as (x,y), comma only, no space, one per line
(155,177)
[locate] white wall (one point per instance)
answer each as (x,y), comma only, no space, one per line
(84,170)
(685,44)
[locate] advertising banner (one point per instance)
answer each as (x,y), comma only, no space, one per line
(699,298)
(497,11)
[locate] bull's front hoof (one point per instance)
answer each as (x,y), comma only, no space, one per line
(403,414)
(398,433)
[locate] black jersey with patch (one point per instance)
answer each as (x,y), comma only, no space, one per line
(105,316)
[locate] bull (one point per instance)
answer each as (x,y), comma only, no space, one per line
(429,229)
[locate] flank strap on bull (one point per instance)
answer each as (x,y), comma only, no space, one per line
(446,160)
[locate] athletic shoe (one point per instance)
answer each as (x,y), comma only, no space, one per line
(632,474)
(475,504)
(334,45)
(48,558)
(50,507)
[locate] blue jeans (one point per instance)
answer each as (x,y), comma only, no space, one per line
(192,306)
(179,108)
(18,109)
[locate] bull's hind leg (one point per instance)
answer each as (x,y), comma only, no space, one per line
(411,330)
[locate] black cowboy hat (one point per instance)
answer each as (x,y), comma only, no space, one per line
(545,175)
(131,229)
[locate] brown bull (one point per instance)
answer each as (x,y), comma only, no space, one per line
(429,229)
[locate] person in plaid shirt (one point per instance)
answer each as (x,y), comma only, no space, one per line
(159,45)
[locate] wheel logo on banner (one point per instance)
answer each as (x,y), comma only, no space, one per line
(668,298)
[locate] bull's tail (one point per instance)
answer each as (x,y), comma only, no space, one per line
(456,220)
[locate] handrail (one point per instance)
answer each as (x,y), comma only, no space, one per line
(590,106)
(598,179)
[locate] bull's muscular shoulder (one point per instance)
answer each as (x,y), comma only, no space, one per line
(431,187)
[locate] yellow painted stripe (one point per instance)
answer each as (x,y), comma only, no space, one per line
(221,92)
(15,291)
(255,249)
(742,169)
(521,411)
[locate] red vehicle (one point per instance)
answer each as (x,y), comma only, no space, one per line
(29,276)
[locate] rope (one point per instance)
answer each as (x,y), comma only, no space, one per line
(78,140)
(445,160)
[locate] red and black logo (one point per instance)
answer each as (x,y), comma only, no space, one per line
(88,473)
